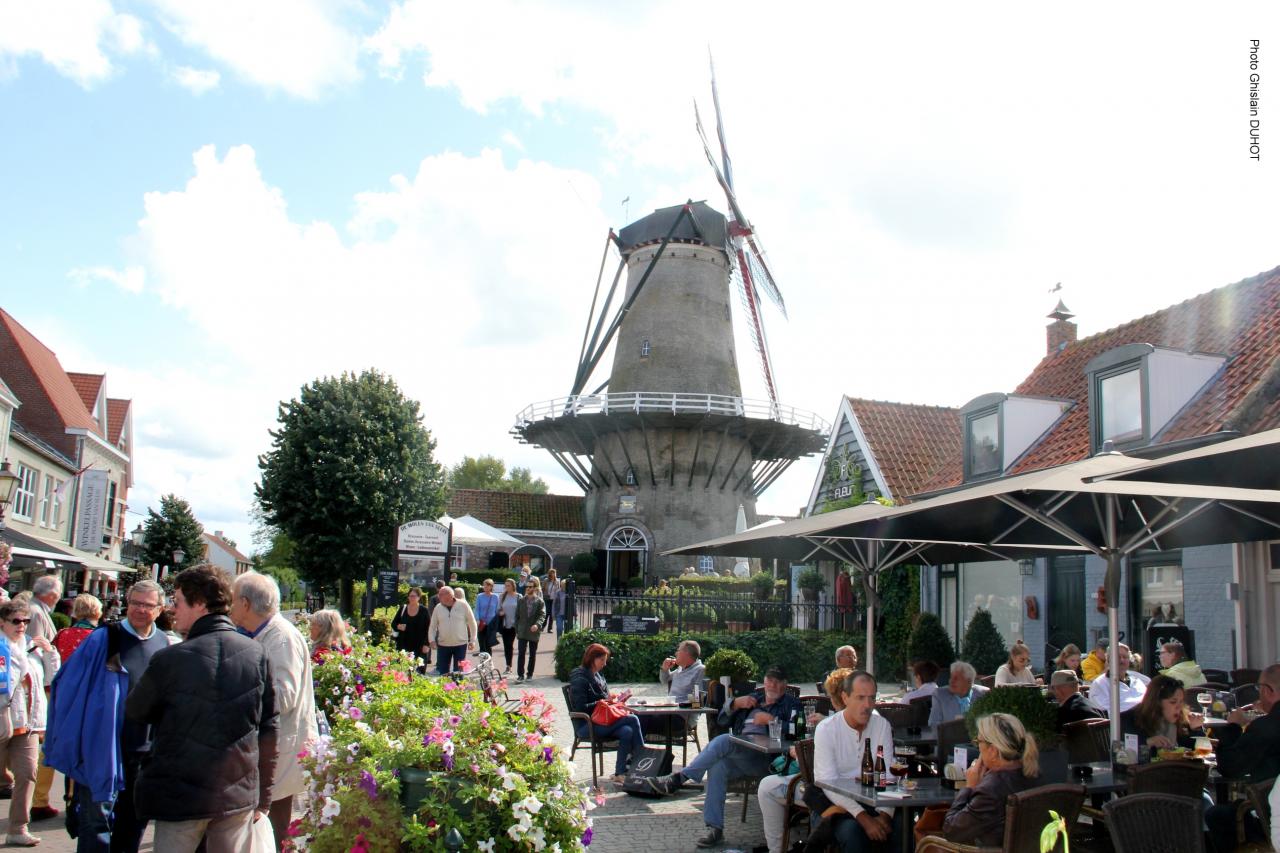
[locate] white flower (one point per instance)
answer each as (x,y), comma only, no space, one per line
(495,797)
(487,846)
(539,838)
(515,831)
(531,804)
(332,808)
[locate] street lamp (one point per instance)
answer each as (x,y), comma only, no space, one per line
(8,482)
(138,535)
(178,556)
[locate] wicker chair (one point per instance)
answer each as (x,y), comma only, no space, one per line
(794,690)
(1025,817)
(1246,694)
(1087,741)
(1241,677)
(1156,823)
(599,745)
(1172,778)
(922,705)
(898,714)
(951,734)
(794,806)
(1259,803)
(1218,676)
(987,681)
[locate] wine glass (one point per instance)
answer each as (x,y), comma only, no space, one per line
(1205,701)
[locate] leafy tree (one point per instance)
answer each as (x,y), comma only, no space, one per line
(490,473)
(983,646)
(350,462)
(899,590)
(173,528)
(930,641)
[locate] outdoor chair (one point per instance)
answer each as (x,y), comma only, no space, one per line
(899,714)
(1087,741)
(921,705)
(1258,803)
(1189,695)
(1246,694)
(951,734)
(794,690)
(1173,778)
(599,745)
(1025,817)
(1241,677)
(821,688)
(794,806)
(1156,823)
(987,681)
(1218,676)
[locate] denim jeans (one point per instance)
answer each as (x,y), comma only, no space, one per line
(626,730)
(449,657)
(721,761)
(852,838)
(110,826)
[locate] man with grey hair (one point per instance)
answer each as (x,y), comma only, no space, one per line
(255,609)
(953,703)
(45,593)
(1133,685)
(681,672)
(846,657)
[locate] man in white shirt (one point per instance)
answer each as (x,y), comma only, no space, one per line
(839,742)
(1133,685)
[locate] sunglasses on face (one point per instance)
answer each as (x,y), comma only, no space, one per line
(19,621)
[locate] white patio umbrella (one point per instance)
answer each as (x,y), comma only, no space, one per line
(469,530)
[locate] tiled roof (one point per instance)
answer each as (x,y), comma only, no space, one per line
(908,441)
(117,411)
(1240,321)
(88,386)
(519,511)
(50,403)
(6,391)
(226,546)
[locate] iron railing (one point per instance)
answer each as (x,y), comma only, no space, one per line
(670,403)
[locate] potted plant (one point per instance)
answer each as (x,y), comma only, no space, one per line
(762,584)
(983,646)
(811,582)
(699,617)
(734,664)
(737,617)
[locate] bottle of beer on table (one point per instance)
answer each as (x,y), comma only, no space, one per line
(868,777)
(882,772)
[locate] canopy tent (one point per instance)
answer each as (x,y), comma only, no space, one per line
(805,539)
(469,530)
(1086,504)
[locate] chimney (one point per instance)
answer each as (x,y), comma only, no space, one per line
(1061,331)
(218,533)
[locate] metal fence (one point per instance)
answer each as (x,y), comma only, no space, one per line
(683,610)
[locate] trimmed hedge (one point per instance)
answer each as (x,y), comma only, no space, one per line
(805,655)
(713,585)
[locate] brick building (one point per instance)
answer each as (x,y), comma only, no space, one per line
(553,528)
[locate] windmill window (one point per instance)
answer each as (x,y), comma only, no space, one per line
(982,444)
(631,476)
(645,348)
(706,565)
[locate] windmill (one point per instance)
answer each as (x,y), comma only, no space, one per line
(745,246)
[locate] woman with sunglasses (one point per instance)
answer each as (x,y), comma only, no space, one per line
(29,664)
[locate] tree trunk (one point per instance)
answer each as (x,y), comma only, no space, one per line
(346,596)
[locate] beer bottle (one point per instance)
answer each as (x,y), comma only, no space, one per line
(882,772)
(801,725)
(868,778)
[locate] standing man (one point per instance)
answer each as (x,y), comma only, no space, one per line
(452,631)
(212,706)
(88,737)
(255,608)
(44,597)
(838,744)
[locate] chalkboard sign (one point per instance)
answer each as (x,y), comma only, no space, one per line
(388,587)
(627,624)
(1158,635)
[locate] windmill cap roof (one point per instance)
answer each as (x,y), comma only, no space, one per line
(710,227)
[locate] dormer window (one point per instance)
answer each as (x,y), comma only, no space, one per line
(982,444)
(1000,428)
(1136,390)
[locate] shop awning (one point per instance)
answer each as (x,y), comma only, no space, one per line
(33,552)
(103,566)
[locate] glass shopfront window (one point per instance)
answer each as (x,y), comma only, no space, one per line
(996,587)
(1156,590)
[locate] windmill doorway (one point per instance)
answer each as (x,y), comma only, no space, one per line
(625,557)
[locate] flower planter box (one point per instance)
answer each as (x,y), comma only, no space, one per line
(737,626)
(414,789)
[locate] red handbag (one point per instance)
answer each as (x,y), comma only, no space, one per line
(606,713)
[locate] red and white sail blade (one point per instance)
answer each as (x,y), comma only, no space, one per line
(755,323)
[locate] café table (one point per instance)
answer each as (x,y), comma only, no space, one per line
(763,743)
(927,792)
(927,736)
(668,709)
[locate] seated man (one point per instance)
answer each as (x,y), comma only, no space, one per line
(1175,664)
(1248,751)
(953,703)
(723,760)
(1095,663)
(1133,685)
(1072,706)
(839,742)
(683,671)
(846,657)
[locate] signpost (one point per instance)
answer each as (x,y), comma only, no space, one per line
(422,549)
(646,625)
(388,587)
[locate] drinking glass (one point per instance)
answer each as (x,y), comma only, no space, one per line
(775,729)
(1205,701)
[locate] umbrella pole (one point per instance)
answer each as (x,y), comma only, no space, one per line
(871,638)
(1112,586)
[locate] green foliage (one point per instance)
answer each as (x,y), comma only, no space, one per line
(173,528)
(478,576)
(350,462)
(812,580)
(713,585)
(1037,714)
(490,473)
(763,584)
(734,663)
(899,590)
(583,563)
(700,614)
(983,646)
(1055,828)
(60,620)
(930,641)
(806,655)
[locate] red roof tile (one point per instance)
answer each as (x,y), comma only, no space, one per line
(117,411)
(226,546)
(88,386)
(1241,321)
(520,511)
(908,441)
(50,403)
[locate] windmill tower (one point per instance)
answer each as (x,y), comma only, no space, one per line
(667,449)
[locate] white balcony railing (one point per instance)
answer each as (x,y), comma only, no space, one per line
(639,402)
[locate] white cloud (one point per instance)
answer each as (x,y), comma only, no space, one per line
(76,37)
(196,80)
(130,279)
(512,140)
(300,47)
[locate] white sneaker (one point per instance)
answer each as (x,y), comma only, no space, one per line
(25,839)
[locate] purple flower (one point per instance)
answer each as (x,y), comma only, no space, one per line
(454,720)
(586,837)
(448,761)
(546,753)
(356,713)
(368,784)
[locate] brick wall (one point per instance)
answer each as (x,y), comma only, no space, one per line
(562,549)
(1205,574)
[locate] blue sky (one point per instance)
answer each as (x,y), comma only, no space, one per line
(216,203)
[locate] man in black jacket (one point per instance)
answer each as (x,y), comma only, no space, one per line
(1248,751)
(1072,706)
(212,709)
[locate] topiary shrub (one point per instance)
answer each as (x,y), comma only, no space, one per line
(736,664)
(1038,716)
(583,564)
(763,584)
(983,646)
(930,641)
(60,620)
